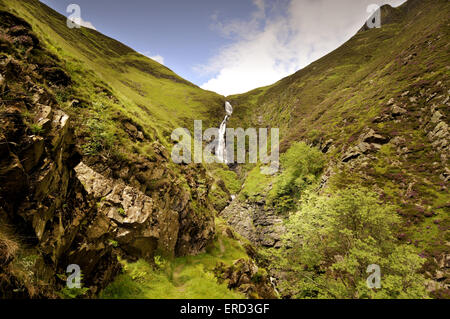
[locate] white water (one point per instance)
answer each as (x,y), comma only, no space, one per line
(221,148)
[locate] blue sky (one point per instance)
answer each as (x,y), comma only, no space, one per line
(228,46)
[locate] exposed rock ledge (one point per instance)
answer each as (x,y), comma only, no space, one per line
(251,220)
(139,227)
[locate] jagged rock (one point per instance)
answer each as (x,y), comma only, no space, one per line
(398,111)
(43,116)
(133,131)
(141,227)
(351,155)
(32,152)
(246,277)
(261,226)
(440,131)
(371,137)
(369,141)
(39,195)
(144,224)
(326,146)
(37,184)
(439,137)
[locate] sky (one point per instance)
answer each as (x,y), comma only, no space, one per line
(230,46)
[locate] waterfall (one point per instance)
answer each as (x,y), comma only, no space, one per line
(221,148)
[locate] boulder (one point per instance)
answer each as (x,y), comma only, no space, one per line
(246,277)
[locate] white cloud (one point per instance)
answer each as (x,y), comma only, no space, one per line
(269,46)
(87,24)
(158,58)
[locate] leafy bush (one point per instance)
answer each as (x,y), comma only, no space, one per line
(334,239)
(301,166)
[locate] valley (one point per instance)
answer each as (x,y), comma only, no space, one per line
(87,176)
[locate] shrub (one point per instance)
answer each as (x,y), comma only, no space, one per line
(334,239)
(36,129)
(301,167)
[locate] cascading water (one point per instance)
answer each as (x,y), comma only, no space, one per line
(221,148)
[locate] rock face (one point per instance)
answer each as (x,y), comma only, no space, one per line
(246,277)
(74,210)
(39,193)
(251,220)
(179,193)
(179,199)
(440,282)
(368,141)
(40,196)
(132,219)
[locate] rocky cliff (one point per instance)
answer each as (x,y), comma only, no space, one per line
(55,209)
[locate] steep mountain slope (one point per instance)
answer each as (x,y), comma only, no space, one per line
(378,108)
(85,168)
(86,176)
(147,91)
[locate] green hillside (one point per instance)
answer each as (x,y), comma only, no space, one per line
(122,108)
(111,78)
(86,176)
(378,108)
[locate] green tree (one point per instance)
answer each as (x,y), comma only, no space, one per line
(333,239)
(301,166)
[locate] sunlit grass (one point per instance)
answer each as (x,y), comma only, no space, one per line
(189,277)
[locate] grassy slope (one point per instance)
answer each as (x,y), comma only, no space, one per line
(188,277)
(353,82)
(339,95)
(147,92)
